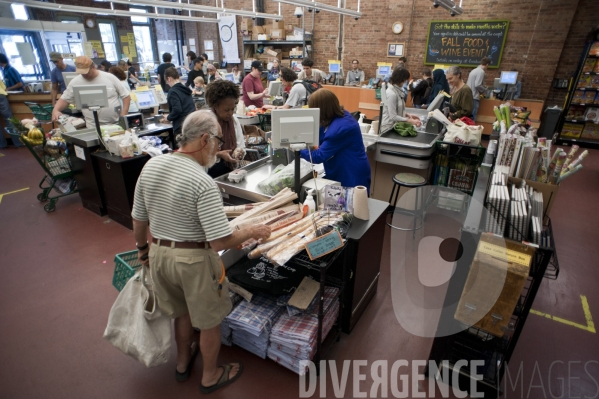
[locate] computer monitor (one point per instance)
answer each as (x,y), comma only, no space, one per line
(497,83)
(68,76)
(229,77)
(274,88)
(90,96)
(508,78)
(436,103)
(295,126)
(383,71)
(146,99)
(334,68)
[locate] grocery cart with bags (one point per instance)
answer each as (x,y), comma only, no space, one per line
(51,154)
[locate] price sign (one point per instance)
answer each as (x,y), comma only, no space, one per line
(324,245)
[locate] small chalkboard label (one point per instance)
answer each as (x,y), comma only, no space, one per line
(324,245)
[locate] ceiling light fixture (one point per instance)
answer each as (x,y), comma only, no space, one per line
(104,11)
(323,7)
(198,8)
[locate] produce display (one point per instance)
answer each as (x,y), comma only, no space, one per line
(257,111)
(405,129)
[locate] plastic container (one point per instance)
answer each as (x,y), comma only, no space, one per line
(125,266)
(309,202)
(237,175)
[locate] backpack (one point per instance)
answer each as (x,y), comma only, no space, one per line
(311,86)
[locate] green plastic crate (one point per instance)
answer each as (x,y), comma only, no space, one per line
(125,266)
(42,112)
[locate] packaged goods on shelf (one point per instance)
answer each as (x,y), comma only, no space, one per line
(590,132)
(589,65)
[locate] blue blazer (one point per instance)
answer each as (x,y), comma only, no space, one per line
(341,150)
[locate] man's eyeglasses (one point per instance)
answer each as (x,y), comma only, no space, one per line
(222,142)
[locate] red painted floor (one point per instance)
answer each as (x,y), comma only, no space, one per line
(55,295)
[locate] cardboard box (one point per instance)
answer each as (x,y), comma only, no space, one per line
(278,24)
(247,64)
(276,33)
(266,29)
(294,38)
(495,282)
(285,54)
(258,29)
(246,24)
(272,52)
(289,29)
(549,192)
(263,36)
(286,63)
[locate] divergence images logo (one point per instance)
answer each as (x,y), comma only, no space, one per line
(424,263)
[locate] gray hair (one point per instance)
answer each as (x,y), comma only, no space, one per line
(122,64)
(196,125)
(454,70)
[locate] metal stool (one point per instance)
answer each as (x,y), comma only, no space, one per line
(409,180)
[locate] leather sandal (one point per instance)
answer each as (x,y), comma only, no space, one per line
(224,379)
(185,375)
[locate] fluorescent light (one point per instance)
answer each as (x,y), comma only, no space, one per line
(320,6)
(196,7)
(105,11)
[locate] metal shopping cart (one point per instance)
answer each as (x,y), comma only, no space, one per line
(52,157)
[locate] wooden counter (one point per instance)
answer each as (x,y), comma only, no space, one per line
(22,111)
(357,99)
(486,116)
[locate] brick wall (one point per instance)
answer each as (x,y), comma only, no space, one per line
(585,20)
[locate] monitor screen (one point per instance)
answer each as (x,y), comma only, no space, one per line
(436,103)
(509,78)
(146,99)
(384,70)
(68,76)
(274,88)
(290,126)
(334,68)
(90,96)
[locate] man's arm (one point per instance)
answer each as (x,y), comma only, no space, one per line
(126,104)
(258,232)
(54,92)
(15,87)
(140,232)
(58,107)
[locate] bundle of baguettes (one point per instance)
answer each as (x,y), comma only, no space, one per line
(282,199)
(233,211)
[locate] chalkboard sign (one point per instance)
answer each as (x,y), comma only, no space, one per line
(465,43)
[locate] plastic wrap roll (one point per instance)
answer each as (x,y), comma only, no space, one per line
(361,210)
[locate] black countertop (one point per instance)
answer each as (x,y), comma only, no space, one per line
(360,227)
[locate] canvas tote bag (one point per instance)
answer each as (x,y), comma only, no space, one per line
(135,324)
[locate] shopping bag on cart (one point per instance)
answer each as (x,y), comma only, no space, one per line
(136,326)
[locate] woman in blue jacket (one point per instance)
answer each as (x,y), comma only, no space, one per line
(341,148)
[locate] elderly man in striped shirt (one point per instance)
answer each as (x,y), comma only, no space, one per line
(183,207)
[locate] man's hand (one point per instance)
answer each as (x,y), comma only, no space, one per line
(265,92)
(143,256)
(261,232)
(238,153)
(55,115)
(225,155)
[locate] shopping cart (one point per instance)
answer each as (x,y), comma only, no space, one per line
(55,163)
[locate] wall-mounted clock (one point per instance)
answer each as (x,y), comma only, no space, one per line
(397,27)
(90,23)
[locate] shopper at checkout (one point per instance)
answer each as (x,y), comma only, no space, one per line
(213,75)
(394,109)
(180,101)
(222,97)
(298,95)
(462,102)
(340,145)
(439,84)
(182,208)
(253,91)
(58,83)
(310,73)
(89,75)
(122,76)
(195,72)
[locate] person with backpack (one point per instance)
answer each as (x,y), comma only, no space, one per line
(310,73)
(300,90)
(421,88)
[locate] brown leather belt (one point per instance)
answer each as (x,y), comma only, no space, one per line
(186,245)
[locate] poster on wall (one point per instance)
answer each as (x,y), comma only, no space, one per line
(88,50)
(227,27)
(97,49)
(465,43)
(208,46)
(395,49)
(131,44)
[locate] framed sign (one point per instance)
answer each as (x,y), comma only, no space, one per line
(395,49)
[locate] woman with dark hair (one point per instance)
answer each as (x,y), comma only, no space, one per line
(180,102)
(105,66)
(122,77)
(439,83)
(191,56)
(340,146)
(394,110)
(222,97)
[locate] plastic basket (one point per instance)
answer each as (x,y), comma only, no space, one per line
(43,113)
(265,122)
(377,94)
(125,266)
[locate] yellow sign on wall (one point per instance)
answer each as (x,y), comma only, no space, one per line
(97,49)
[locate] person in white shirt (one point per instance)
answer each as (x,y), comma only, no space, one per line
(310,73)
(476,81)
(298,95)
(91,76)
(122,76)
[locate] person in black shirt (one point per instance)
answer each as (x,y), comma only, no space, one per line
(166,63)
(195,72)
(180,102)
(421,88)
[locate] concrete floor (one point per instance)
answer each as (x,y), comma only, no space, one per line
(56,292)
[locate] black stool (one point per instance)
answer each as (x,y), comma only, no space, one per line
(409,180)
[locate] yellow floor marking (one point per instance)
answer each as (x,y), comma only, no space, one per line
(12,192)
(590,326)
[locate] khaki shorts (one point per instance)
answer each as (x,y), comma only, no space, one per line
(186,281)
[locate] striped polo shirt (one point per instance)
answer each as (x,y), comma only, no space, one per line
(180,200)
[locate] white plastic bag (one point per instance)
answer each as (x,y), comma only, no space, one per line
(285,177)
(136,325)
